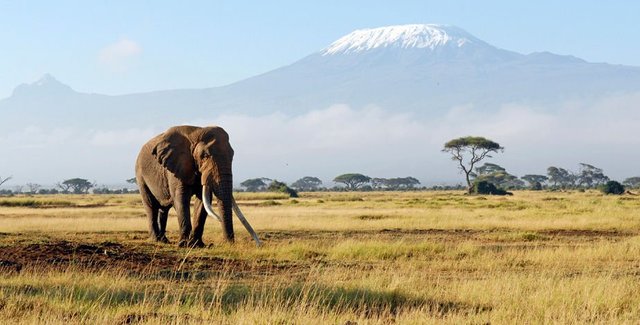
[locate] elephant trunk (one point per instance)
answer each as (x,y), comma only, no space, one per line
(222,188)
(225,206)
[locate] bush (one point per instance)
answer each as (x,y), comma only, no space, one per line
(536,186)
(486,188)
(277,186)
(612,187)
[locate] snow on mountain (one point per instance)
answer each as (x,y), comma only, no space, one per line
(423,36)
(423,77)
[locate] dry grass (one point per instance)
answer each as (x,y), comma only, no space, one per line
(370,258)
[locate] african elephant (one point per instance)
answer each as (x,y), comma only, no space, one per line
(182,162)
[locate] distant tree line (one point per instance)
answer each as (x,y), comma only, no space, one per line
(468,151)
(347,182)
(587,177)
(69,186)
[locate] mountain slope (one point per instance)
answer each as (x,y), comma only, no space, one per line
(421,69)
(432,83)
(408,68)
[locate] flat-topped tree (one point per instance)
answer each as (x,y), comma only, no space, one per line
(76,186)
(535,181)
(632,182)
(307,183)
(255,184)
(468,151)
(352,181)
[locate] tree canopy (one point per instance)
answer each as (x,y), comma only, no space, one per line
(255,184)
(496,175)
(76,186)
(590,176)
(535,181)
(468,151)
(353,180)
(632,182)
(561,177)
(277,186)
(307,183)
(398,183)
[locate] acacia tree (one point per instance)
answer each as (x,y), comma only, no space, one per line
(591,176)
(76,186)
(468,151)
(353,180)
(277,186)
(307,183)
(401,183)
(496,175)
(255,184)
(33,187)
(632,182)
(535,181)
(561,177)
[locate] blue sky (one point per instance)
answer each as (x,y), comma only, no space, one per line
(117,47)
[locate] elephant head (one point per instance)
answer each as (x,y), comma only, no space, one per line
(203,156)
(213,155)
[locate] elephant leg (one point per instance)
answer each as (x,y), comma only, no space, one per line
(151,207)
(199,218)
(182,200)
(162,222)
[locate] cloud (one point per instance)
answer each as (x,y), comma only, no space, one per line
(126,137)
(385,143)
(119,54)
(36,137)
(339,139)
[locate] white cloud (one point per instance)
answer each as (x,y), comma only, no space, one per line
(112,138)
(340,139)
(384,143)
(119,54)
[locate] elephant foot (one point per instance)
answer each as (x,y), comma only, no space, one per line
(196,243)
(191,243)
(163,239)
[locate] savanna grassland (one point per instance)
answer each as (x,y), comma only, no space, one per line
(336,258)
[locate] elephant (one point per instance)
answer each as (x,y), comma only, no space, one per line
(182,162)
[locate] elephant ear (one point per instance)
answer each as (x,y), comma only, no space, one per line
(173,151)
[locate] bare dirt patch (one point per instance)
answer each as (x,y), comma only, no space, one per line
(133,258)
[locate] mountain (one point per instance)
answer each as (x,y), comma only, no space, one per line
(421,69)
(427,69)
(427,83)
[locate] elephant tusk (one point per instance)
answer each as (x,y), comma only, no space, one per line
(245,223)
(206,201)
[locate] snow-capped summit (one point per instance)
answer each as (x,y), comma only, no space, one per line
(421,36)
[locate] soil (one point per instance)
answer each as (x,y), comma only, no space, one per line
(132,253)
(144,258)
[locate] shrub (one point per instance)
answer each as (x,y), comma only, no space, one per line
(612,187)
(277,186)
(486,188)
(536,186)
